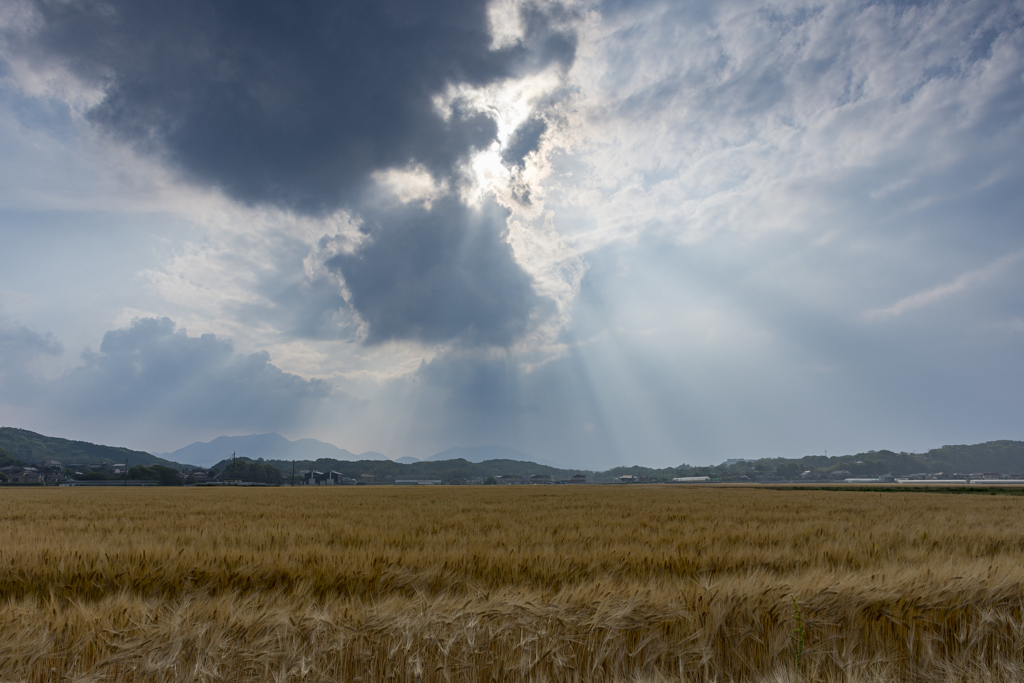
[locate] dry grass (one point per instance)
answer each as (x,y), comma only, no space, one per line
(509,584)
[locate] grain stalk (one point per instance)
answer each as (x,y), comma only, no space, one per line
(797,635)
(519,584)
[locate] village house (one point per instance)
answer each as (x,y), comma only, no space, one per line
(313,477)
(201,475)
(28,475)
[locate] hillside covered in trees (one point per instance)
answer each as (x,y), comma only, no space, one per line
(22,447)
(441,469)
(7,459)
(994,456)
(31,448)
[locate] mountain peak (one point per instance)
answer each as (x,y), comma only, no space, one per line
(270,446)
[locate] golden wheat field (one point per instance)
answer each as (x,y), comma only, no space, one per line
(588,583)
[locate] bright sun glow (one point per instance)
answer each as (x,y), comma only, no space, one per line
(510,104)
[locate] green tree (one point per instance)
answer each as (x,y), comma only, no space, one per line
(244,469)
(96,476)
(7,459)
(166,476)
(790,470)
(141,472)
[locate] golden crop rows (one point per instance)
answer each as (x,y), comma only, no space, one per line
(524,583)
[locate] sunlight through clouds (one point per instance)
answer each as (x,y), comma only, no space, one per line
(596,232)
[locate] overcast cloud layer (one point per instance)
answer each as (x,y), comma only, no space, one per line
(599,233)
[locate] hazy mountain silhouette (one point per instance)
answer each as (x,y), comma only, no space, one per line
(482,453)
(267,446)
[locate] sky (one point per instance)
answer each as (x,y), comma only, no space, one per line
(600,233)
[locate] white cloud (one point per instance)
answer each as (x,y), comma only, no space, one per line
(694,127)
(962,283)
(721,190)
(413,183)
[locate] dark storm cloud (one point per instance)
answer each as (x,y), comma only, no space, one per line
(154,370)
(290,103)
(525,139)
(310,309)
(297,105)
(479,387)
(439,273)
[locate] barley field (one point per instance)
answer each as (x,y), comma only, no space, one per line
(526,583)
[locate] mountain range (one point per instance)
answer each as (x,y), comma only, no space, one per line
(20,446)
(276,447)
(267,446)
(476,454)
(484,453)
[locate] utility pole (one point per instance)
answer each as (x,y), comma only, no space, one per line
(234,467)
(293,473)
(126,470)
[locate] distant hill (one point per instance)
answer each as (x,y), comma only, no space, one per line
(438,469)
(276,447)
(1006,457)
(993,456)
(30,448)
(20,446)
(266,446)
(482,454)
(7,459)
